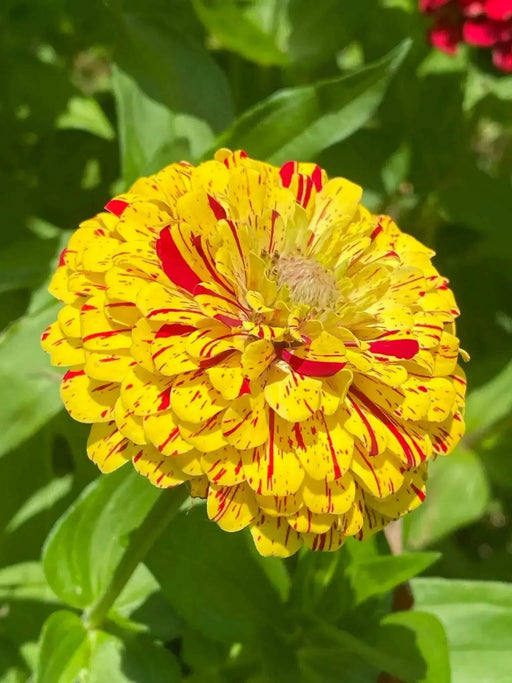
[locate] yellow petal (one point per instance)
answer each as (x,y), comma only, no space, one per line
(274,536)
(333,497)
(108,448)
(130,426)
(232,507)
(446,355)
(193,398)
(227,377)
(212,339)
(169,351)
(279,506)
(206,436)
(364,424)
(144,393)
(256,357)
(162,471)
(109,367)
(293,396)
(323,446)
(69,319)
(245,422)
(63,351)
(143,334)
(381,475)
(199,487)
(307,522)
(163,431)
(223,466)
(88,400)
(98,332)
(157,302)
(273,468)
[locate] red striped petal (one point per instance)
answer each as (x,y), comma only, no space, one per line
(311,368)
(174,264)
(398,348)
(116,206)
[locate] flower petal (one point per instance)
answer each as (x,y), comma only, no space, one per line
(333,497)
(88,400)
(194,399)
(274,536)
(223,466)
(108,448)
(232,507)
(293,396)
(323,446)
(273,468)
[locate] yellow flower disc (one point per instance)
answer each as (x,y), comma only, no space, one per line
(257,332)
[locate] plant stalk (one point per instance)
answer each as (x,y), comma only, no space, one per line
(141,541)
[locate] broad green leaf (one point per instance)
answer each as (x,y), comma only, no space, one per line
(25,581)
(142,606)
(490,403)
(25,263)
(412,648)
(40,501)
(85,113)
(479,201)
(33,384)
(324,664)
(418,644)
(457,495)
(87,543)
(298,123)
(171,97)
(477,617)
(235,29)
(65,649)
(69,652)
(212,579)
(379,575)
(480,85)
(319,30)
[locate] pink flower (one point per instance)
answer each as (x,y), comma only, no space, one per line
(483,23)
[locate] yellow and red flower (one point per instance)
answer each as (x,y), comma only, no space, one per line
(255,331)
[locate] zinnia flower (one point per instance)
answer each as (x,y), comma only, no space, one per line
(257,332)
(484,23)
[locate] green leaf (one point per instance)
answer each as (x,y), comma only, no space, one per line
(69,650)
(458,493)
(319,30)
(65,649)
(376,576)
(299,123)
(213,581)
(477,617)
(87,543)
(490,403)
(171,97)
(25,581)
(235,29)
(417,642)
(25,263)
(33,385)
(84,113)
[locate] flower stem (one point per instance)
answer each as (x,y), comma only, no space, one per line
(141,541)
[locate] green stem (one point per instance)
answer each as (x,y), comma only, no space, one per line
(165,508)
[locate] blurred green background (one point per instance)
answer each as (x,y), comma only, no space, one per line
(95,94)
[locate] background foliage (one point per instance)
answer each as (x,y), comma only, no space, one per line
(95,94)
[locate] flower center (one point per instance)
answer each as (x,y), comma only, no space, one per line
(308,281)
